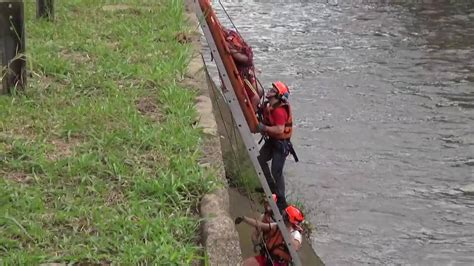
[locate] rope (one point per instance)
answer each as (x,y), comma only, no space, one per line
(230,19)
(254,91)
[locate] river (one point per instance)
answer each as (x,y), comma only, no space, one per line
(383,100)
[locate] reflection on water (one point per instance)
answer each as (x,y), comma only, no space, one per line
(383,98)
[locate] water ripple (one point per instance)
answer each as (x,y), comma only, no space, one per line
(384,112)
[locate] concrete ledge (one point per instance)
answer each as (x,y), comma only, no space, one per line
(219,237)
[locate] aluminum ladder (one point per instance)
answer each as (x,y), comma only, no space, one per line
(249,141)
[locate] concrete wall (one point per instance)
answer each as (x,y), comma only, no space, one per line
(219,237)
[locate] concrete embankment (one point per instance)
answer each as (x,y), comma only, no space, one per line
(219,236)
(225,244)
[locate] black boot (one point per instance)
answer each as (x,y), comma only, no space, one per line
(281,203)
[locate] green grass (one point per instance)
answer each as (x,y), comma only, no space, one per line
(99,157)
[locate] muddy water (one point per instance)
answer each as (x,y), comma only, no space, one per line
(383,97)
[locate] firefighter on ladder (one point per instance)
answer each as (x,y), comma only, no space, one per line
(266,217)
(276,127)
(273,248)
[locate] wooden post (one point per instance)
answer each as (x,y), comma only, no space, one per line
(45,9)
(12,46)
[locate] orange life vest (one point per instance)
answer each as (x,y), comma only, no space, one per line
(267,120)
(276,246)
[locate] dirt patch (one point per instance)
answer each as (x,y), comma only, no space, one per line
(114,46)
(62,148)
(27,132)
(187,37)
(182,38)
(118,7)
(18,177)
(151,160)
(115,197)
(83,225)
(147,106)
(122,8)
(45,81)
(75,56)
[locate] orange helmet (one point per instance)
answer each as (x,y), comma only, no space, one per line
(282,90)
(295,216)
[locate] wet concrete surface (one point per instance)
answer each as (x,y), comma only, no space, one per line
(383,99)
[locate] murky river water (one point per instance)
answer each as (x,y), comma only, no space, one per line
(383,96)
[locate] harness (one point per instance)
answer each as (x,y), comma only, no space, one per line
(274,248)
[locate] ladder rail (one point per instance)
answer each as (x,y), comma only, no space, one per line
(249,141)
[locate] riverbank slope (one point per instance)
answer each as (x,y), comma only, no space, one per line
(101,157)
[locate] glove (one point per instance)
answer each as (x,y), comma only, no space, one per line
(238,220)
(261,127)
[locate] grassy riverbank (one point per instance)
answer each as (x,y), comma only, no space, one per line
(99,158)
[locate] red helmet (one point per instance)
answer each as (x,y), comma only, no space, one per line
(295,216)
(282,90)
